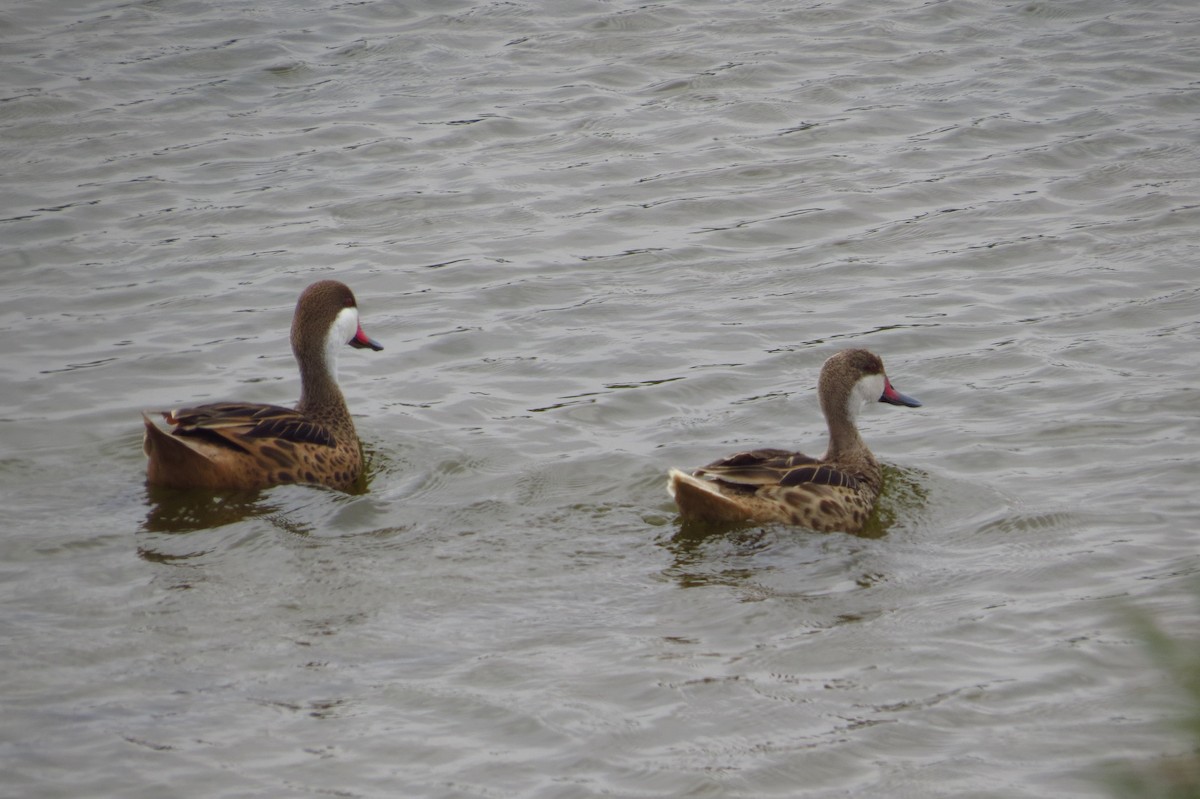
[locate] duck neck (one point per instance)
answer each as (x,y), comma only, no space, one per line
(845,444)
(319,391)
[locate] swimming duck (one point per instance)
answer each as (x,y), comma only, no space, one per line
(835,492)
(246,445)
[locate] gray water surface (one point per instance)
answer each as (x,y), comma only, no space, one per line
(599,239)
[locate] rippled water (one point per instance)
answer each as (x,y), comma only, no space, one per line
(598,239)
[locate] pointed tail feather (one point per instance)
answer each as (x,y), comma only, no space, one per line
(171,460)
(701,500)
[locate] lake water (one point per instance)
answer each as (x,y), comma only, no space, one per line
(599,239)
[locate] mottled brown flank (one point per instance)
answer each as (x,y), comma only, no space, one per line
(821,507)
(274,454)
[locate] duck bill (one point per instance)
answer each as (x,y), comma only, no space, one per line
(894,397)
(362,341)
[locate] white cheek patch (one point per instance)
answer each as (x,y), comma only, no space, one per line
(344,328)
(346,325)
(867,389)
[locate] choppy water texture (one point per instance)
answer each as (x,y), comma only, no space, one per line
(598,239)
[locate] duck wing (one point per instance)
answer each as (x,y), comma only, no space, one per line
(756,467)
(771,467)
(223,423)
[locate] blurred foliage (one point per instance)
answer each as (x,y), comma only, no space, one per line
(1175,776)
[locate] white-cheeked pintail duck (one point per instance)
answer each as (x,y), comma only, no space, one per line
(249,446)
(835,492)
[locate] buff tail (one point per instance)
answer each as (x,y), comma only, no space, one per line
(171,457)
(701,500)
